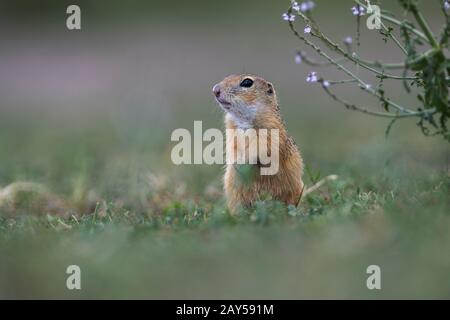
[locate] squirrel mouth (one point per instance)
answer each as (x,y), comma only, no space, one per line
(224,103)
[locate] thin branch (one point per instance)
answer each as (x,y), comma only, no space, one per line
(330,82)
(314,63)
(351,106)
(379,64)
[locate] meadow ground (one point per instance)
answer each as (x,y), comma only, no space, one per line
(150,232)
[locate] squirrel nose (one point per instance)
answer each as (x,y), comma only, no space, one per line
(216,90)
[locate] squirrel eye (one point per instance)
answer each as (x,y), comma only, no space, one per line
(247,83)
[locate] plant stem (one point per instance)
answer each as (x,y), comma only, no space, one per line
(424,25)
(379,63)
(350,106)
(331,82)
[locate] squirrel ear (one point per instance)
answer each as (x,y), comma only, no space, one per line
(270,89)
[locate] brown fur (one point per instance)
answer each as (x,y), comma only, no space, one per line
(287,184)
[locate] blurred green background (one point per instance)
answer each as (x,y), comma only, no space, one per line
(90,113)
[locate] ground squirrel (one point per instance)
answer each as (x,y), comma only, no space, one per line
(250,102)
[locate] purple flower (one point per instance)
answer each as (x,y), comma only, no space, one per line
(298,58)
(304,6)
(307,29)
(358,10)
(446,5)
(288,17)
(307,6)
(348,40)
(312,77)
(326,83)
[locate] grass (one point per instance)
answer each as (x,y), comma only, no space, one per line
(167,233)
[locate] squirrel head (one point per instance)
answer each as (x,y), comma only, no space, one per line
(245,98)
